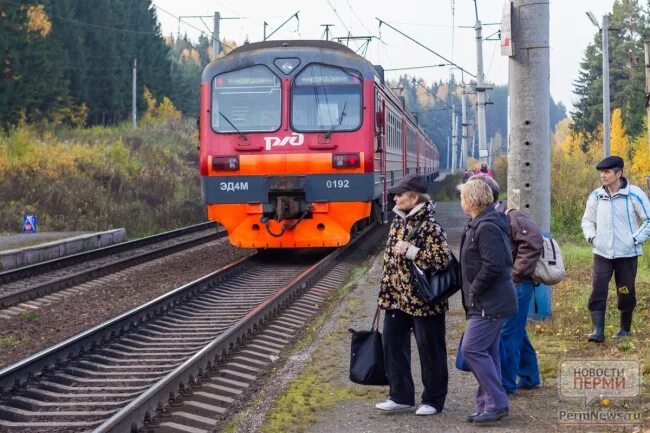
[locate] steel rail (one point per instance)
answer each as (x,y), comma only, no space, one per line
(73,259)
(16,297)
(153,402)
(19,374)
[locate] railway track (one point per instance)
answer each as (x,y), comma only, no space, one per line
(30,282)
(138,369)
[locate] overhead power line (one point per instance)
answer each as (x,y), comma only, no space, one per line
(417,67)
(425,47)
(180,20)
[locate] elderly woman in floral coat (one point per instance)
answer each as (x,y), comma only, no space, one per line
(414,236)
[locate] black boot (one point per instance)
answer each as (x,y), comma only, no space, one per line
(626,325)
(598,319)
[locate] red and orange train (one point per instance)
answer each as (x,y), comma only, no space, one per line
(299,141)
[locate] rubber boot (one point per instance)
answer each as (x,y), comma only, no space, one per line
(598,319)
(626,325)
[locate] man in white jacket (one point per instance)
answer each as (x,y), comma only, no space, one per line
(616,222)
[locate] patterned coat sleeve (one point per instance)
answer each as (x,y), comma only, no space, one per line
(434,251)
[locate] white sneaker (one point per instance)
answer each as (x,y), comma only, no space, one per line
(425,409)
(390,406)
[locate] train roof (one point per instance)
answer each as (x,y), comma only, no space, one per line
(309,51)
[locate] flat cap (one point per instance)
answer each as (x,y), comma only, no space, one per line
(412,182)
(610,162)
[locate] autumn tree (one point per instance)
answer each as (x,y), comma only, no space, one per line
(628,23)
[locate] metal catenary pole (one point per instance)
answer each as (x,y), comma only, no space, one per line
(216,42)
(134,100)
(463,118)
(529,158)
(480,90)
(606,109)
(647,85)
(454,129)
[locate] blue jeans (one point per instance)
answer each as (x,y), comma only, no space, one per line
(520,358)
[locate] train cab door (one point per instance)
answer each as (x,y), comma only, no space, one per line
(379,156)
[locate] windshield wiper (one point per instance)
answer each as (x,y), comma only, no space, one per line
(328,134)
(233,125)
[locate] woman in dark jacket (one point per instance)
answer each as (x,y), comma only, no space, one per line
(414,236)
(488,296)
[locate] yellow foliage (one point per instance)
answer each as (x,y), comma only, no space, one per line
(640,167)
(157,113)
(38,21)
(167,111)
(151,105)
(442,92)
(424,97)
(74,115)
(226,47)
(561,132)
(620,143)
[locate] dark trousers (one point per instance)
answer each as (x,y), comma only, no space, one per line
(430,338)
(480,349)
(624,270)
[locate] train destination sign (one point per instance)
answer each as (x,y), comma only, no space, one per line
(308,80)
(221,82)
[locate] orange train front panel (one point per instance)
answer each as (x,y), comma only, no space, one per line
(289,200)
(329,225)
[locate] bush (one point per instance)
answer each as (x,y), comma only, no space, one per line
(101,178)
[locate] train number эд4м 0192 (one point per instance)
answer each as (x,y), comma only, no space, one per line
(337,184)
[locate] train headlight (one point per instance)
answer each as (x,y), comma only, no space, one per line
(346,160)
(228,163)
(286,65)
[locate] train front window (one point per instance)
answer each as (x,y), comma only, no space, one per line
(326,98)
(246,100)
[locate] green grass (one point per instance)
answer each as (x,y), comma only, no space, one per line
(564,334)
(314,389)
(30,316)
(10,341)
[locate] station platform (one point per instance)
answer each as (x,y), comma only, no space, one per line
(23,249)
(344,407)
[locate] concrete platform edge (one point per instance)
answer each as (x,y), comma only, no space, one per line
(16,258)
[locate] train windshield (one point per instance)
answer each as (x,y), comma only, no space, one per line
(326,98)
(246,100)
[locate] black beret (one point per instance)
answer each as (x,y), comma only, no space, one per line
(410,183)
(610,162)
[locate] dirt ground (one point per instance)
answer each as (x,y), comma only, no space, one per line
(530,411)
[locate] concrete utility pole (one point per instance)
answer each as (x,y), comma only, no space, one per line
(606,109)
(480,90)
(529,158)
(647,85)
(463,119)
(216,42)
(604,33)
(454,129)
(134,99)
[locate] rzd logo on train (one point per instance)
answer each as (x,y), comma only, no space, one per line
(294,139)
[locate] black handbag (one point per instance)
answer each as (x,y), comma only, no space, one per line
(367,356)
(434,287)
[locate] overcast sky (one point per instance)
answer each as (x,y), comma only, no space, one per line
(429,22)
